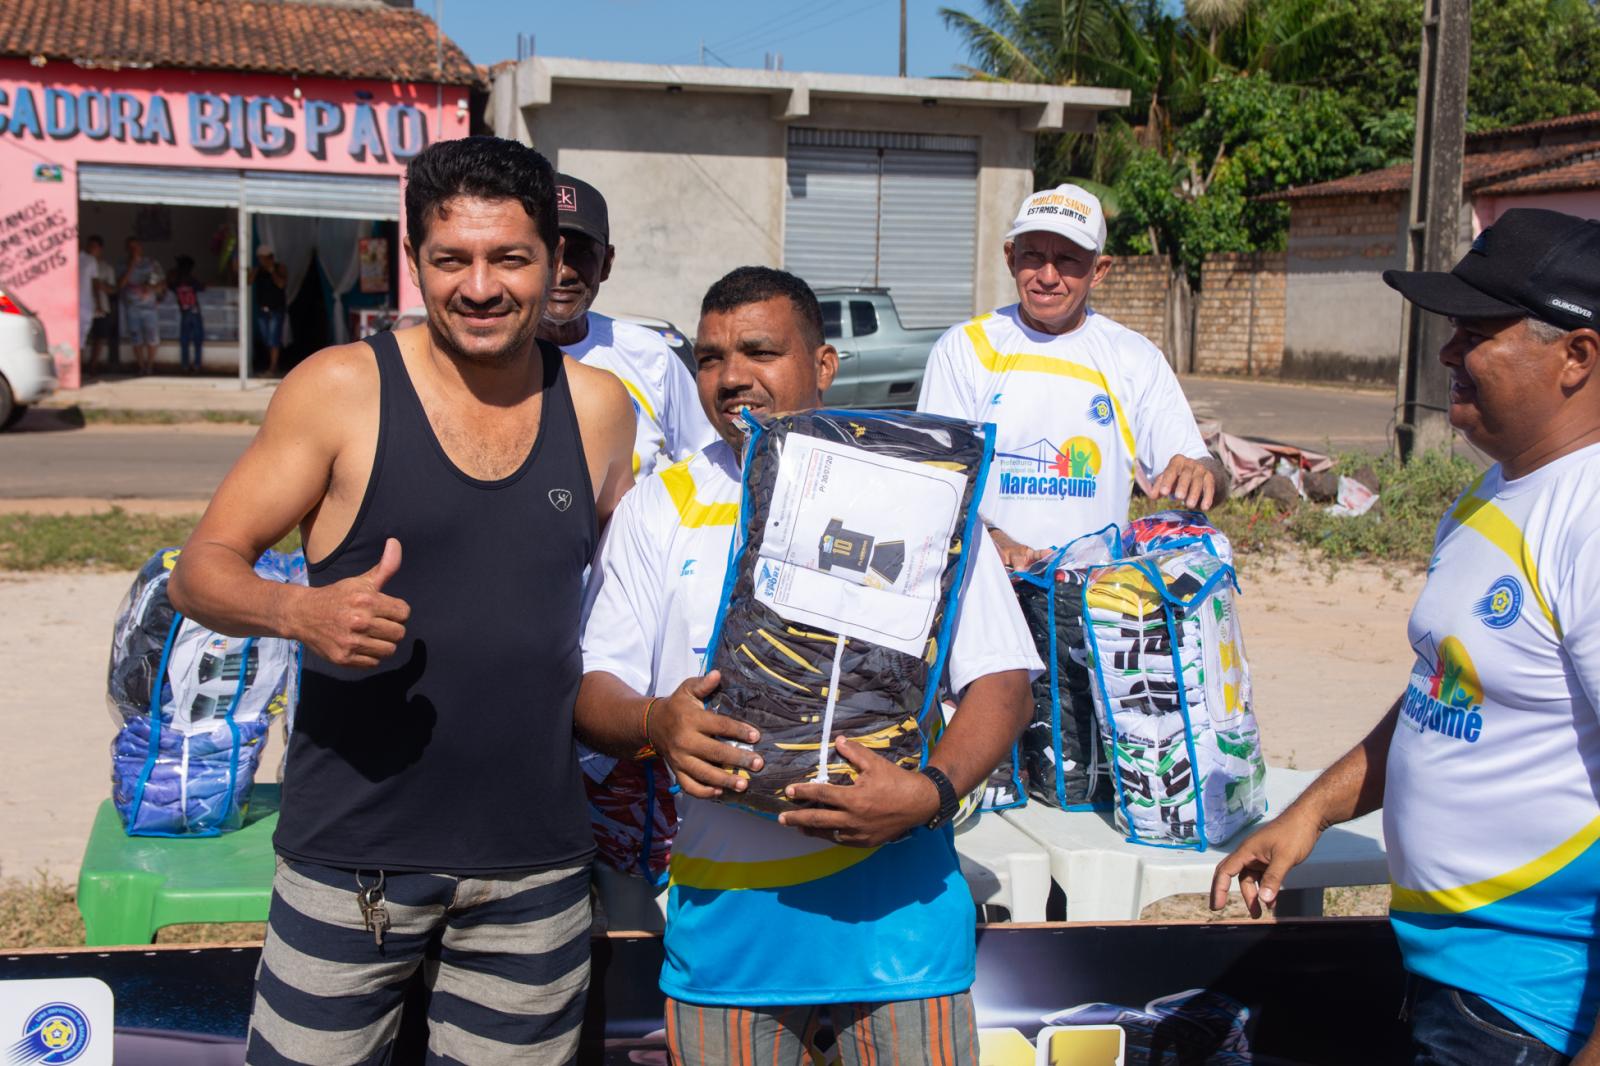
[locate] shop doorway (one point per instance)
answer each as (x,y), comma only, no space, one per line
(337,236)
(332,271)
(203,238)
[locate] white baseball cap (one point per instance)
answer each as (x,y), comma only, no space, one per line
(1069,210)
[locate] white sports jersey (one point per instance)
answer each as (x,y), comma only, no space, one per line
(1490,808)
(651,604)
(1073,412)
(672,424)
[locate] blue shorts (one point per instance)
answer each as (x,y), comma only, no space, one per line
(144,326)
(269,327)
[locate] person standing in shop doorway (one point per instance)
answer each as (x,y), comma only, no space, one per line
(268,280)
(186,288)
(142,284)
(97,282)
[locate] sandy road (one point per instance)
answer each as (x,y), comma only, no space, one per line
(1327,656)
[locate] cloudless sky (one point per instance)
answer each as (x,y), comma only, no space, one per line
(844,36)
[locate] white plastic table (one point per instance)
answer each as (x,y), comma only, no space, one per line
(1106,878)
(1003,867)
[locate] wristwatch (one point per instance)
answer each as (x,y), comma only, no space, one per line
(949,802)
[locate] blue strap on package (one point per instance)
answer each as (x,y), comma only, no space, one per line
(1061,754)
(193,707)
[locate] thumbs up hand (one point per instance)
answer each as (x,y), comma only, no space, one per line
(352,622)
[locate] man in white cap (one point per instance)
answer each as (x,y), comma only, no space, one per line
(1083,406)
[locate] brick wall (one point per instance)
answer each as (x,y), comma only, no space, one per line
(1346,227)
(1240,316)
(1226,341)
(1135,294)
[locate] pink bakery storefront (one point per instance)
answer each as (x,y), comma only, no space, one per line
(204,165)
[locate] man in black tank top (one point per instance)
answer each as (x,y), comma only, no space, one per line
(449,482)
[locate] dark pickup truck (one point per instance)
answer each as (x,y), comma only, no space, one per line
(880,361)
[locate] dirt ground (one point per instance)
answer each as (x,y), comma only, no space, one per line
(1328,653)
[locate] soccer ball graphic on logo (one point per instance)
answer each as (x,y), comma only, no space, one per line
(57,1033)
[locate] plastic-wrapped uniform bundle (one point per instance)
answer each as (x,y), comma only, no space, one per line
(193,707)
(1060,752)
(842,582)
(633,810)
(1172,693)
(1165,530)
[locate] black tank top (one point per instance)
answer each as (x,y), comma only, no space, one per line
(456,754)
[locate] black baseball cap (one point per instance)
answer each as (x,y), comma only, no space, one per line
(1532,262)
(580,207)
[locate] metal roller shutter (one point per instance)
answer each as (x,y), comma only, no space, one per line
(929,234)
(891,209)
(178,186)
(269,192)
(831,215)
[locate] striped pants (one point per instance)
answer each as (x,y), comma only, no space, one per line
(941,1031)
(506,961)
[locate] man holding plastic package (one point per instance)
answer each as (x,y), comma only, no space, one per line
(1487,767)
(1083,406)
(857,903)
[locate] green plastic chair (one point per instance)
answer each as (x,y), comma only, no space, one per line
(129,887)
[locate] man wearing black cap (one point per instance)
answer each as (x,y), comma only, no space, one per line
(671,424)
(1488,767)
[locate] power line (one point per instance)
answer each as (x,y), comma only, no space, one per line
(747,37)
(831,22)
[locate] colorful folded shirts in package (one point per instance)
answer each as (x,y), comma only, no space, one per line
(1171,691)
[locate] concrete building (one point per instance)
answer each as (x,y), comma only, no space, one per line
(908,183)
(1342,321)
(203,129)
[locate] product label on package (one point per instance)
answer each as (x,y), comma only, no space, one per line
(856,543)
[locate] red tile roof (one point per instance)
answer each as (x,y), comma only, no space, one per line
(1574,176)
(1479,169)
(331,38)
(1549,125)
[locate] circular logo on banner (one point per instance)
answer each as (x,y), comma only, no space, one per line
(1100,409)
(55,1033)
(1502,605)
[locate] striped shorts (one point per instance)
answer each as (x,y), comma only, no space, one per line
(941,1031)
(505,960)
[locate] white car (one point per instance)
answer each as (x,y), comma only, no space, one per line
(27,373)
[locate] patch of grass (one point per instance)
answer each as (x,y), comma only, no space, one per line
(212,933)
(134,416)
(41,913)
(1399,528)
(108,540)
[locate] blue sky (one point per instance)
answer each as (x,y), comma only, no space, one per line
(846,36)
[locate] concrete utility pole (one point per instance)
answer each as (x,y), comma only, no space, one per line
(1435,220)
(902,38)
